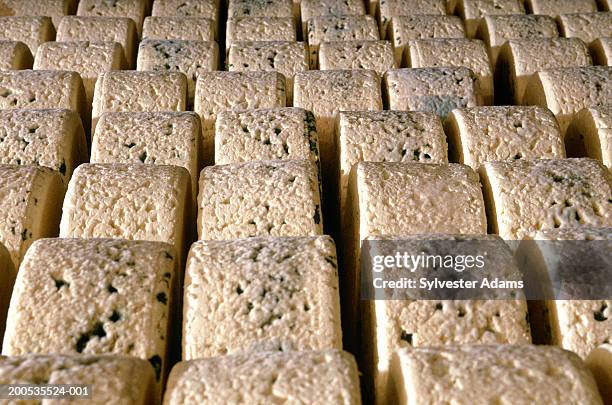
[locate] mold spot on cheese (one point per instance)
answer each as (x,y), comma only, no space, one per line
(406,337)
(59,283)
(97,330)
(600,315)
(156,362)
(162,297)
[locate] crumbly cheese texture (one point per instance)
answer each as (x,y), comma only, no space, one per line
(101,29)
(313,377)
(188,57)
(266,303)
(186,8)
(52,138)
(139,91)
(389,9)
(593,127)
(133,9)
(454,52)
(473,11)
(555,8)
(286,58)
(371,55)
(32,31)
(266,134)
(7,280)
(320,8)
(251,199)
(566,91)
(528,196)
(503,133)
(260,8)
(113,379)
(519,59)
(586,26)
(15,55)
(56,9)
(185,28)
(599,363)
(88,59)
(485,374)
(402,29)
(131,280)
(226,91)
(260,29)
(495,30)
(161,138)
(437,90)
(31,207)
(130,201)
(601,51)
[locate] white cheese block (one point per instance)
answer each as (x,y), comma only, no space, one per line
(601,51)
(30,208)
(160,138)
(7,280)
(437,90)
(260,29)
(286,58)
(56,9)
(88,59)
(527,196)
(591,132)
(310,377)
(113,379)
(586,26)
(133,9)
(401,29)
(554,8)
(454,52)
(134,91)
(32,31)
(599,362)
(129,201)
(473,11)
(505,133)
(261,198)
(495,30)
(388,9)
(188,57)
(234,91)
(185,28)
(485,374)
(371,55)
(566,91)
(101,29)
(260,8)
(132,282)
(15,55)
(53,138)
(265,304)
(186,8)
(321,8)
(266,134)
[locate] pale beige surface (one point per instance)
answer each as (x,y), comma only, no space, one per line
(472,12)
(495,30)
(591,132)
(601,51)
(32,31)
(260,8)
(186,8)
(186,28)
(260,29)
(522,374)
(133,9)
(130,201)
(261,198)
(88,59)
(401,29)
(586,26)
(503,133)
(321,8)
(133,282)
(437,90)
(599,362)
(555,8)
(566,91)
(266,134)
(7,280)
(55,9)
(524,197)
(371,55)
(113,379)
(299,310)
(15,55)
(30,208)
(312,377)
(455,52)
(101,29)
(53,138)
(389,9)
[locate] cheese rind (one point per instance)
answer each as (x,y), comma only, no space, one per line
(267,8)
(472,12)
(601,51)
(507,373)
(566,91)
(32,31)
(15,55)
(371,55)
(182,28)
(389,9)
(527,196)
(591,132)
(260,29)
(266,134)
(133,9)
(56,9)
(586,26)
(186,8)
(112,379)
(321,8)
(437,90)
(264,305)
(503,133)
(107,201)
(313,377)
(7,280)
(599,362)
(555,8)
(53,138)
(251,199)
